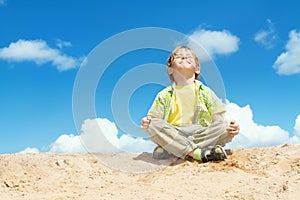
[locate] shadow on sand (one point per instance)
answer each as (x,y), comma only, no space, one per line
(135,162)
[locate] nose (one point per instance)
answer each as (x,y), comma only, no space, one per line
(184,57)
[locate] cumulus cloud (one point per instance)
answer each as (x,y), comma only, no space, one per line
(100,135)
(67,144)
(253,134)
(266,37)
(296,137)
(288,63)
(297,126)
(213,42)
(39,52)
(29,150)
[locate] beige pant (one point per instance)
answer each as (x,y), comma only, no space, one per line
(181,140)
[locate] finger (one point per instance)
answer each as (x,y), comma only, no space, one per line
(233,133)
(143,127)
(234,126)
(144,124)
(145,120)
(230,128)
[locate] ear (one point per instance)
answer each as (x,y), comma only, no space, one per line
(197,70)
(170,70)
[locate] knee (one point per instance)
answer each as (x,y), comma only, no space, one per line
(158,126)
(154,126)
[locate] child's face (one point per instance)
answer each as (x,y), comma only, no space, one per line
(184,61)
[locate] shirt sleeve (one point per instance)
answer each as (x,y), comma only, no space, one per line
(156,110)
(214,103)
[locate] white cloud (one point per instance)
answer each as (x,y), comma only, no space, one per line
(67,144)
(29,150)
(296,137)
(297,126)
(288,62)
(266,37)
(39,52)
(100,135)
(213,42)
(253,134)
(60,43)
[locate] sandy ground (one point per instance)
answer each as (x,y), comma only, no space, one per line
(259,173)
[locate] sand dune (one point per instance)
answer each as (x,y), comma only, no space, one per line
(259,173)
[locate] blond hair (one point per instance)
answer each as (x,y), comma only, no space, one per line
(173,54)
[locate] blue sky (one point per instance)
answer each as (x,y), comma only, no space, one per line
(254,44)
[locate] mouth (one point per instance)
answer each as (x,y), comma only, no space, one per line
(185,61)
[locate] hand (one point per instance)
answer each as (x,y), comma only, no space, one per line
(145,123)
(233,128)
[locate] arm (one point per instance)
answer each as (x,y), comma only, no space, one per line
(157,109)
(233,128)
(218,117)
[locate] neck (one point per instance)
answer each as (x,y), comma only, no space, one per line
(183,80)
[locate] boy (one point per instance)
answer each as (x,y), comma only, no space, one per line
(186,119)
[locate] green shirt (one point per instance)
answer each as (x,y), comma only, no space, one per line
(207,104)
